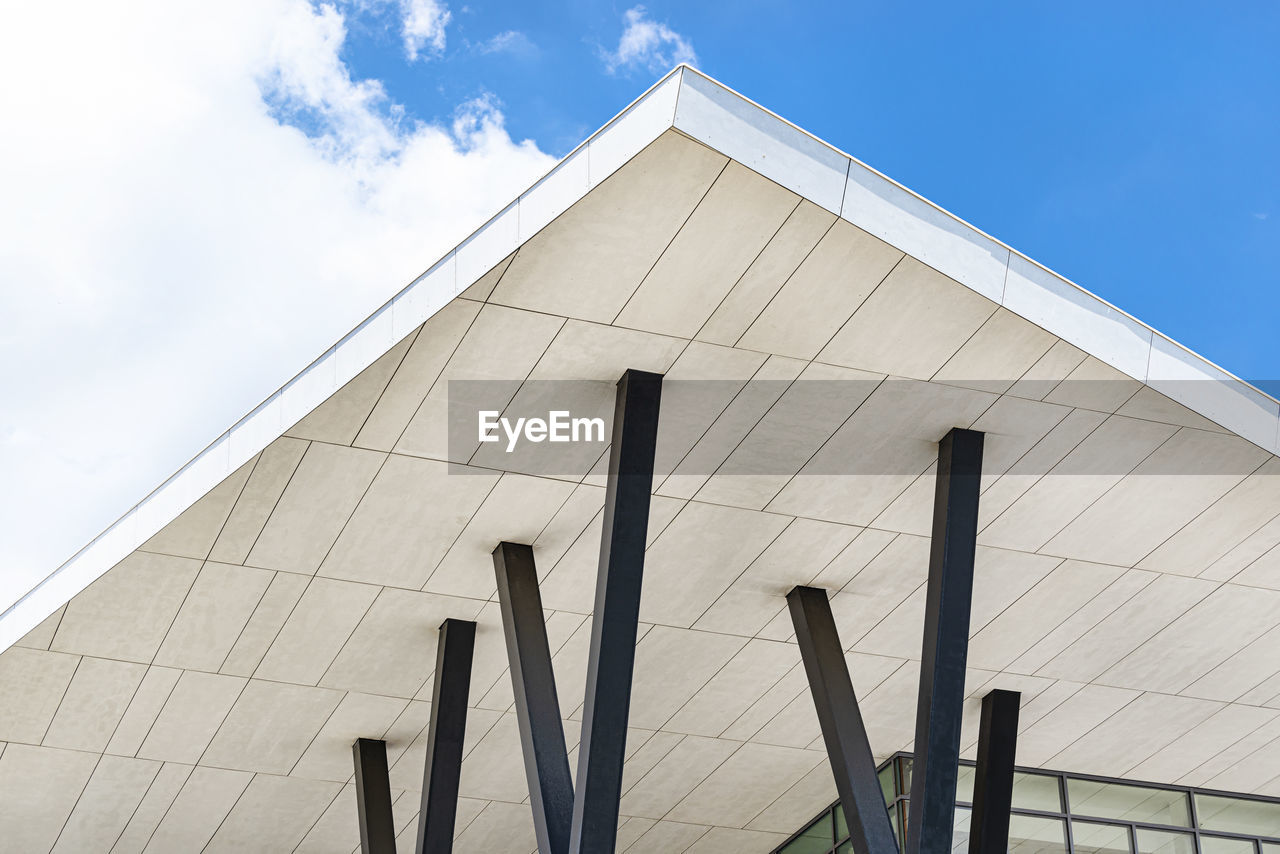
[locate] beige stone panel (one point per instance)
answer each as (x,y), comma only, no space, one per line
(516,510)
(270,727)
(115,790)
(879,451)
(39,787)
(794,429)
(680,771)
(316,631)
(813,793)
(192,534)
(796,725)
(32,683)
(1048,371)
(1244,675)
(274,814)
(404,526)
(1203,637)
(741,682)
(1064,725)
(667,836)
(328,757)
(493,359)
(94,704)
(1001,352)
(767,274)
(1134,734)
(190,717)
(731,225)
(269,616)
(1094,385)
(910,325)
(152,808)
(393,650)
(1000,492)
(745,784)
(1052,600)
(1093,467)
(699,554)
(1154,406)
(501,828)
(144,708)
(334,832)
(1167,490)
(829,285)
(126,612)
(1128,627)
(213,616)
(728,840)
(339,418)
(195,815)
(416,373)
(494,769)
(590,258)
(1097,609)
(319,500)
(1202,743)
(275,465)
(42,635)
(671,666)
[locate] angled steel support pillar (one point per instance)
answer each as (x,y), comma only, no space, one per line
(444,737)
(373,797)
(842,728)
(946,643)
(993,784)
(546,761)
(617,611)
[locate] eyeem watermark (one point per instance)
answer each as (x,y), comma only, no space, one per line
(558,426)
(854,427)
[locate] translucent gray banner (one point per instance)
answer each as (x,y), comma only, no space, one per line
(562,428)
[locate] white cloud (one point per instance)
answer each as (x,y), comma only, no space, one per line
(424,24)
(171,251)
(648,45)
(510,41)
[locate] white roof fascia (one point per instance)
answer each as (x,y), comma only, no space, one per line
(709,112)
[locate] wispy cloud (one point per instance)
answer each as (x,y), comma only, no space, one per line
(1260,215)
(512,41)
(424,23)
(648,44)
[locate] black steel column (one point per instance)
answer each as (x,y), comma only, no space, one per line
(617,611)
(993,784)
(445,736)
(842,728)
(546,761)
(946,643)
(373,797)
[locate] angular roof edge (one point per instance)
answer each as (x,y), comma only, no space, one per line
(717,116)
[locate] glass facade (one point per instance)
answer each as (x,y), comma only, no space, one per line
(1057,813)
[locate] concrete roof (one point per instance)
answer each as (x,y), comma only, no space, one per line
(206,663)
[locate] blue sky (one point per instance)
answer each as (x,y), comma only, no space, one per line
(200,199)
(1132,147)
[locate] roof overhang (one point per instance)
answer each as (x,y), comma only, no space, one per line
(820,329)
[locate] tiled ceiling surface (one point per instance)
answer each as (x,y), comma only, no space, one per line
(204,693)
